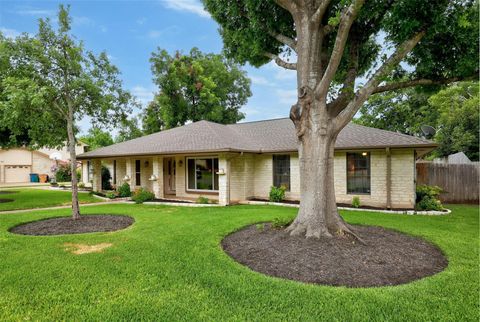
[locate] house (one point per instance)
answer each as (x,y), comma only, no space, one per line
(237,162)
(16,164)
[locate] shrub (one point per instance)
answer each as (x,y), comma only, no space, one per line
(277,194)
(63,173)
(124,191)
(427,197)
(111,195)
(106,185)
(278,223)
(141,195)
(203,200)
(356,202)
(81,185)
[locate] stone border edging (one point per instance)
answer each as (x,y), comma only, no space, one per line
(399,212)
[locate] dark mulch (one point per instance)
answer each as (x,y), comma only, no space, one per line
(4,200)
(8,192)
(66,225)
(389,258)
(297,202)
(169,200)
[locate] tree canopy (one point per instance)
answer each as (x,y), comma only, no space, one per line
(453,111)
(195,87)
(97,138)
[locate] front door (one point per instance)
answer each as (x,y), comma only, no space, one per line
(169,175)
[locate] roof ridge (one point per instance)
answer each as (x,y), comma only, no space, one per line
(392,132)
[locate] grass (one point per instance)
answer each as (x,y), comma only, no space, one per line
(38,198)
(169,266)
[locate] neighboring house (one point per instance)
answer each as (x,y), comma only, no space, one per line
(237,162)
(456,158)
(16,164)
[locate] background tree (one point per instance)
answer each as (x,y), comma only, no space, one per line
(52,82)
(453,111)
(195,87)
(128,129)
(335,44)
(97,138)
(458,123)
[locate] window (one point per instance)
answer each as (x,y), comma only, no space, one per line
(281,171)
(202,174)
(114,171)
(358,173)
(138,181)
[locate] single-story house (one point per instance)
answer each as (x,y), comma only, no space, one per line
(238,162)
(16,164)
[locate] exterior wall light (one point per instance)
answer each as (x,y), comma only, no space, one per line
(221,171)
(126,178)
(153,178)
(364,154)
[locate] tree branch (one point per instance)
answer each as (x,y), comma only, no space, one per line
(420,81)
(280,62)
(289,5)
(346,22)
(362,94)
(284,40)
(322,8)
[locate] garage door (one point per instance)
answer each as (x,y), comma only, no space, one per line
(17,173)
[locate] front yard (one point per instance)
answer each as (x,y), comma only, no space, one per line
(169,266)
(40,198)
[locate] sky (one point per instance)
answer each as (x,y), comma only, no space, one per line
(129,31)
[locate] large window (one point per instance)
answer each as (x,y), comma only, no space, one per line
(114,171)
(358,173)
(138,176)
(202,174)
(281,171)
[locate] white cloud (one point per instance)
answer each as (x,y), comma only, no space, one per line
(288,97)
(141,20)
(260,80)
(9,33)
(159,33)
(192,6)
(143,94)
(29,11)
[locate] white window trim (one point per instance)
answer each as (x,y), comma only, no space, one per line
(186,174)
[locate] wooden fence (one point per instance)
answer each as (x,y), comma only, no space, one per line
(459,181)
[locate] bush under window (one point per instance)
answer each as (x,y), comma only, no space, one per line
(428,198)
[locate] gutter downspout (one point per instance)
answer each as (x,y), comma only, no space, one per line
(389,178)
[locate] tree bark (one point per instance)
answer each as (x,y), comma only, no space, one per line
(73,165)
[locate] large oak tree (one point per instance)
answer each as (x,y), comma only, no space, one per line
(48,83)
(343,52)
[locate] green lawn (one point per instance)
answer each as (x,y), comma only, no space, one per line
(169,266)
(38,198)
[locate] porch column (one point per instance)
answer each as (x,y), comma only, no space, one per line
(157,185)
(96,165)
(224,181)
(120,172)
(130,172)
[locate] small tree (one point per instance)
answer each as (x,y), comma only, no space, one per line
(195,87)
(52,82)
(97,138)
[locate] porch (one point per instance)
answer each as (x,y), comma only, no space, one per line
(174,177)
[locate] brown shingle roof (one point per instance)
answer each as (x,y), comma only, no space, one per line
(262,136)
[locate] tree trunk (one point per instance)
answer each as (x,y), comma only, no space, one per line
(317,133)
(73,166)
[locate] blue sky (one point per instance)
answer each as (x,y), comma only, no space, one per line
(129,31)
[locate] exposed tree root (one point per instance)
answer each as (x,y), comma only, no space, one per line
(318,231)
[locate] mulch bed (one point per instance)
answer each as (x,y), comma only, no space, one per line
(66,225)
(4,200)
(389,258)
(169,200)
